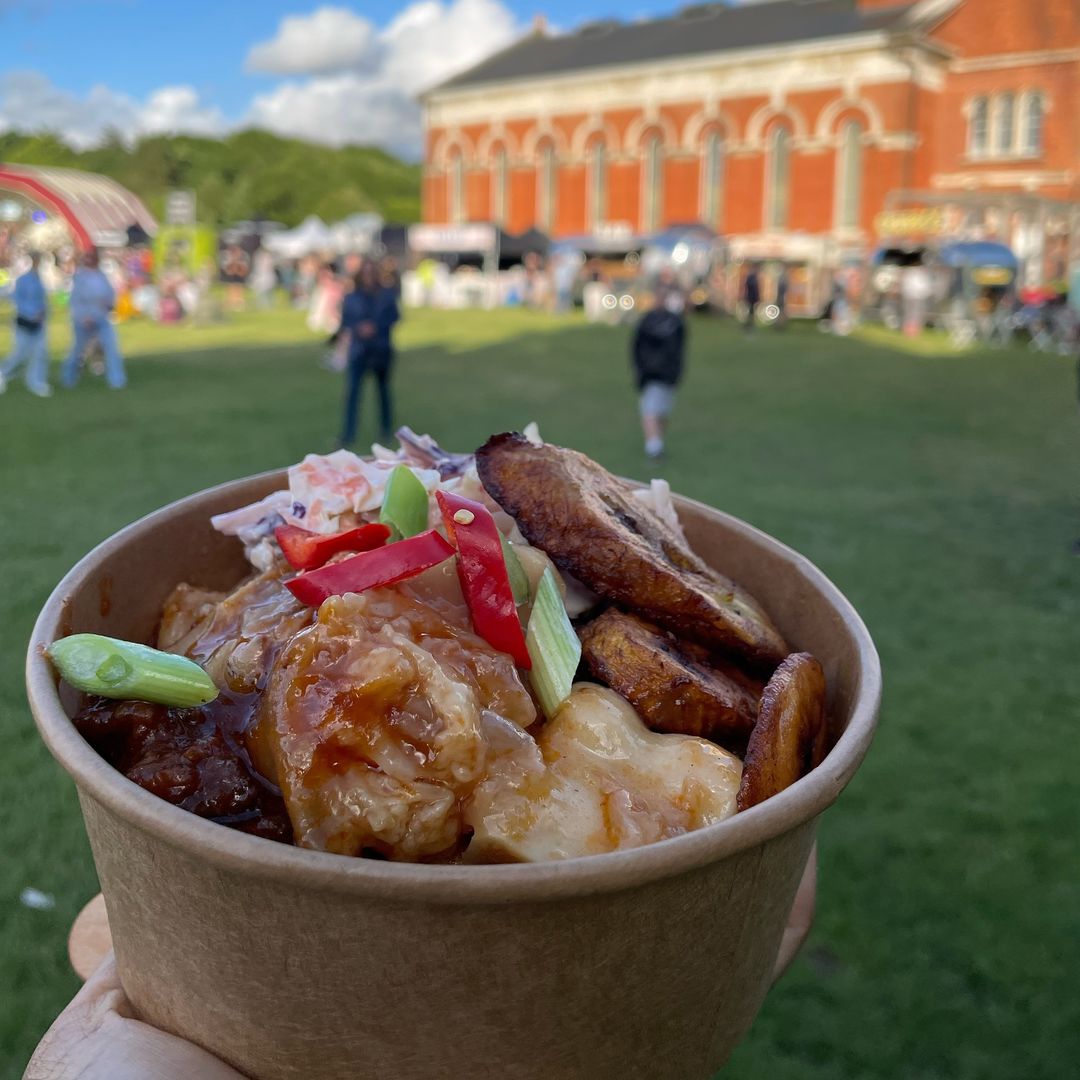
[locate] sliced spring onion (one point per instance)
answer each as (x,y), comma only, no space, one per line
(405,504)
(519,580)
(124,670)
(553,646)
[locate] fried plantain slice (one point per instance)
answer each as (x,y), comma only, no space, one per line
(675,686)
(592,527)
(790,736)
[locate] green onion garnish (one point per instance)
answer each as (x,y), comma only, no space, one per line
(553,646)
(124,670)
(405,504)
(519,580)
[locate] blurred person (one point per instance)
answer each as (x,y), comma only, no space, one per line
(30,349)
(536,281)
(351,266)
(324,310)
(915,289)
(656,353)
(263,279)
(307,273)
(91,304)
(564,272)
(783,286)
(751,295)
(390,276)
(235,267)
(368,315)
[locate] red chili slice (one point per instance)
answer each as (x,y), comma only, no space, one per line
(370,569)
(482,572)
(307,550)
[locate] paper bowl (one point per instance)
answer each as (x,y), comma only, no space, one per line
(289,963)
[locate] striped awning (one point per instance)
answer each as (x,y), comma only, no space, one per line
(98,210)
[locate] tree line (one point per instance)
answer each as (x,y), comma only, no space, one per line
(245,175)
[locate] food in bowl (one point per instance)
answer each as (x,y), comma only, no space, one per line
(506,656)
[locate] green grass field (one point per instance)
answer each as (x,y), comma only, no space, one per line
(937,490)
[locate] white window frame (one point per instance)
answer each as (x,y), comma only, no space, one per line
(598,185)
(1027,101)
(713,162)
(456,173)
(500,186)
(652,177)
(849,175)
(547,187)
(979,103)
(1004,109)
(773,185)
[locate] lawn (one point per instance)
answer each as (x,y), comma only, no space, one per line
(937,490)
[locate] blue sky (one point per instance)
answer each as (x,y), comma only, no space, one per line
(338,72)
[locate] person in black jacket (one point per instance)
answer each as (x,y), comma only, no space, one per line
(751,295)
(657,356)
(368,315)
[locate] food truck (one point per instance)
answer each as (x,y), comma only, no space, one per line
(967,277)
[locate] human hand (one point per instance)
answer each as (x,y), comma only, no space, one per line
(98,1038)
(367,329)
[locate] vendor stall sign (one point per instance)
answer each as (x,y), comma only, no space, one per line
(925,221)
(992,276)
(180,207)
(449,239)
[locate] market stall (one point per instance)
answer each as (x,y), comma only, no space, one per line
(472,265)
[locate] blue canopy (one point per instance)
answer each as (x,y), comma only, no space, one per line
(977,253)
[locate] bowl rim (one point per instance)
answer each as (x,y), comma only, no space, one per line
(237,852)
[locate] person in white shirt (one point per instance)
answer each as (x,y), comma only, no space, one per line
(91,304)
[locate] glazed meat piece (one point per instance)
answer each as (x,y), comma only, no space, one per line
(675,686)
(237,637)
(381,718)
(791,734)
(186,608)
(591,525)
(189,757)
(598,781)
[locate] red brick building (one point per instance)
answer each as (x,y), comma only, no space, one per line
(788,126)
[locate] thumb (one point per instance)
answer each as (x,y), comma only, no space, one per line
(98,1038)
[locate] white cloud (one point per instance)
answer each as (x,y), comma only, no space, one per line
(330,39)
(371,97)
(340,109)
(352,82)
(30,102)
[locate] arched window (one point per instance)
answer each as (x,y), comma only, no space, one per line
(500,187)
(712,179)
(779,187)
(654,182)
(457,188)
(1031,123)
(849,175)
(978,128)
(547,188)
(597,184)
(1004,124)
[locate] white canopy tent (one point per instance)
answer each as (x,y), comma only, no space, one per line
(357,233)
(311,235)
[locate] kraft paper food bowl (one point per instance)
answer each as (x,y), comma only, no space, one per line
(649,963)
